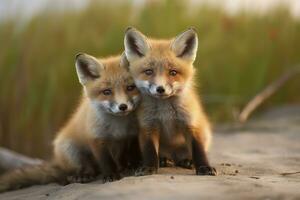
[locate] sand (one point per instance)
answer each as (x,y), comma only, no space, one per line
(260,160)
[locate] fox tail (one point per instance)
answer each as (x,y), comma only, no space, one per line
(32,175)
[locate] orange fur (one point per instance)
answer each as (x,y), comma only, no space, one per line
(163,71)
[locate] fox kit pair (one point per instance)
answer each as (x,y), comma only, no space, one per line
(171,118)
(100,137)
(103,134)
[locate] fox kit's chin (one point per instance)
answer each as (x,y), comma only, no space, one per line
(120,114)
(161,96)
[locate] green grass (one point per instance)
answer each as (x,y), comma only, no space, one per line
(237,57)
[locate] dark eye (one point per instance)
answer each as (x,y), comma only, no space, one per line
(148,72)
(107,92)
(173,72)
(130,87)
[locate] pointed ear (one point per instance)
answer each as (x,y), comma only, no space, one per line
(185,45)
(124,62)
(136,44)
(87,68)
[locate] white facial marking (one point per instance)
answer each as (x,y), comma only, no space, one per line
(115,108)
(153,89)
(106,105)
(144,86)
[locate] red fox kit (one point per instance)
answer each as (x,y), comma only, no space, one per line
(104,120)
(172,121)
(99,134)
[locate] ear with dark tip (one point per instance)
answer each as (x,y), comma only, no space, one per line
(185,45)
(124,62)
(87,68)
(136,44)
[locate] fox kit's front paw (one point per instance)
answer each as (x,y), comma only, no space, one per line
(144,171)
(206,170)
(165,162)
(111,177)
(80,178)
(129,171)
(185,163)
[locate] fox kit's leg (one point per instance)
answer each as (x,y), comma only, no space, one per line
(165,162)
(149,144)
(199,152)
(134,157)
(134,150)
(102,153)
(123,156)
(130,157)
(176,155)
(75,159)
(89,170)
(182,157)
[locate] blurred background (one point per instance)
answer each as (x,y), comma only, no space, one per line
(244,45)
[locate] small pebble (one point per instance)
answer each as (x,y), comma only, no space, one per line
(236,171)
(172,177)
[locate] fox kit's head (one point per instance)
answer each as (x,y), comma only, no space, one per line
(161,68)
(108,83)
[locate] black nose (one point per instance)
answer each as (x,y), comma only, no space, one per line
(160,89)
(123,107)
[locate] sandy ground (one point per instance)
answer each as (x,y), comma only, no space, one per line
(258,161)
